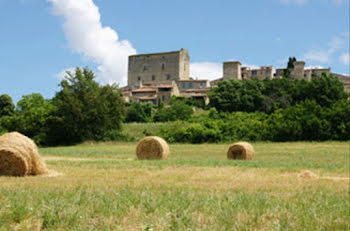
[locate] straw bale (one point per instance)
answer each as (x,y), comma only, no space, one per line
(240,151)
(152,147)
(19,156)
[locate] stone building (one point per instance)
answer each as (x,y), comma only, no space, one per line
(166,66)
(155,78)
(234,70)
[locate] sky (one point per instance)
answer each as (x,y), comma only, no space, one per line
(41,39)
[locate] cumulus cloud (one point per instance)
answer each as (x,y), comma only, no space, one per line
(324,55)
(61,75)
(86,35)
(345,58)
(317,55)
(206,70)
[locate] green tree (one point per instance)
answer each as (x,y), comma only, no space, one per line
(237,95)
(138,112)
(177,111)
(30,117)
(85,110)
(290,67)
(7,107)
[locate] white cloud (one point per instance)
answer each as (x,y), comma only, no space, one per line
(86,35)
(63,73)
(317,55)
(314,67)
(206,70)
(345,58)
(211,70)
(324,55)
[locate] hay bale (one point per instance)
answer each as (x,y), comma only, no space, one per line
(308,175)
(240,151)
(19,156)
(152,147)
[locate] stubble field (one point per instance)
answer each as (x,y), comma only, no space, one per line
(104,187)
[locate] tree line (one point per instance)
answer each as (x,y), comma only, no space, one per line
(276,110)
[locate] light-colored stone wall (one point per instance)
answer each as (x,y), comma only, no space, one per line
(158,67)
(232,70)
(192,84)
(298,70)
(265,72)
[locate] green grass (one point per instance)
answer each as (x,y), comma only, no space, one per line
(137,131)
(103,187)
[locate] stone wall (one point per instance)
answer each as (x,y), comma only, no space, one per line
(232,70)
(158,67)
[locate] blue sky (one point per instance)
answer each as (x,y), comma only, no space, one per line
(40,39)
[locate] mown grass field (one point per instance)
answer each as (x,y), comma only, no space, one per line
(103,187)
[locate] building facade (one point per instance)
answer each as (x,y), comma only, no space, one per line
(166,66)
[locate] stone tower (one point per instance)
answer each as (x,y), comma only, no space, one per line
(232,70)
(166,66)
(298,70)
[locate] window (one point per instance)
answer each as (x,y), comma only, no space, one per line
(145,68)
(163,66)
(139,78)
(254,73)
(153,77)
(168,76)
(163,97)
(201,84)
(267,73)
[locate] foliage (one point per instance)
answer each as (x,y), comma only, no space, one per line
(30,117)
(7,107)
(304,121)
(138,112)
(270,95)
(177,111)
(85,110)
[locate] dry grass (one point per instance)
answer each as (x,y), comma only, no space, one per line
(104,187)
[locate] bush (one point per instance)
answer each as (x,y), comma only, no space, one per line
(138,112)
(177,111)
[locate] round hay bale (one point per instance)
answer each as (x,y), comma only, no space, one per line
(152,147)
(12,163)
(19,156)
(240,151)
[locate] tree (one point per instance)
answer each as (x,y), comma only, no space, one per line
(290,67)
(7,107)
(177,111)
(237,95)
(30,117)
(138,112)
(85,110)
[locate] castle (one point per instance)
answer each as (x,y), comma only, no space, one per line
(154,78)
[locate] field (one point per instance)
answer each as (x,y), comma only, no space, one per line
(103,187)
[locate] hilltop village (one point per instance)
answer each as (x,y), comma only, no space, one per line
(154,78)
